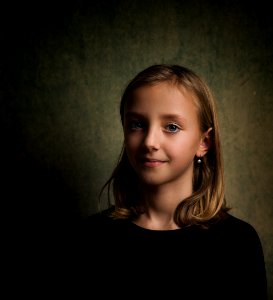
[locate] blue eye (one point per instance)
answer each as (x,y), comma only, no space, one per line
(172,128)
(136,125)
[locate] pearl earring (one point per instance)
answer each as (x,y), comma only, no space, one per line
(199,160)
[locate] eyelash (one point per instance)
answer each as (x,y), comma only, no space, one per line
(134,125)
(177,128)
(138,125)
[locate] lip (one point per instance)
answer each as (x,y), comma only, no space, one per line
(151,163)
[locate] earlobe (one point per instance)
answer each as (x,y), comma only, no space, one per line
(204,143)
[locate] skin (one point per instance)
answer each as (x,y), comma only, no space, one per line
(162,137)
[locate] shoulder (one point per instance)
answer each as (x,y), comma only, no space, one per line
(102,223)
(236,226)
(98,218)
(237,234)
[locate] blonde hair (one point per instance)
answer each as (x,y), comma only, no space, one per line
(207,203)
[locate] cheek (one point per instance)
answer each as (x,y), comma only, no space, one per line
(131,149)
(130,146)
(131,141)
(187,145)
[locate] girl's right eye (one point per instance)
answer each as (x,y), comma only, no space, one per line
(136,125)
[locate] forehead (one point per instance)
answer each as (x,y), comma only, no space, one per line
(166,95)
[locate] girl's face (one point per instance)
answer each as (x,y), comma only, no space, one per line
(162,134)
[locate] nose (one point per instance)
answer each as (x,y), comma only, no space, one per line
(152,139)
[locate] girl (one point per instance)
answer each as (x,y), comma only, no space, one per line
(169,230)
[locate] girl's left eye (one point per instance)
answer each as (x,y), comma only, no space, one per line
(172,128)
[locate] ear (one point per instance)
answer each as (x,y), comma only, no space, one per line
(205,143)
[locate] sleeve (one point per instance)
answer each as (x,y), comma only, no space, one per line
(249,273)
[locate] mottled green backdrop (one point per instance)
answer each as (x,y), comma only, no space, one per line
(65,65)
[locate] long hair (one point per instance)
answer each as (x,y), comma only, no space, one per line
(207,201)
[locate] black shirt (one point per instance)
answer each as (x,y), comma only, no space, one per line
(127,261)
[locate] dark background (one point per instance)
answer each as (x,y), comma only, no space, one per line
(64,65)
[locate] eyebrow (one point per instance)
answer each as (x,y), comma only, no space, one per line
(163,116)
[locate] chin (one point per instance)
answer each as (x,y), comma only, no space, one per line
(151,181)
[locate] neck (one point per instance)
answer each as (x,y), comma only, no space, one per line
(161,203)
